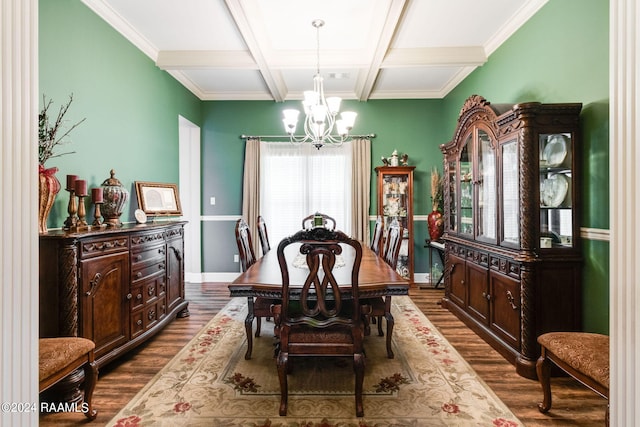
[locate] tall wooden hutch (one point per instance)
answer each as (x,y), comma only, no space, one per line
(512,236)
(395,201)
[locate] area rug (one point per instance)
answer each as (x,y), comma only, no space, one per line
(209,383)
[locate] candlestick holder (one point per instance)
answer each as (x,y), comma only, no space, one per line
(81,224)
(97,222)
(72,209)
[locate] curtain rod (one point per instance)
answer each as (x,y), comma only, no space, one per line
(371,135)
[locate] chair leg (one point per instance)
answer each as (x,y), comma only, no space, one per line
(90,380)
(380,333)
(258,325)
(543,369)
(358,367)
(282,364)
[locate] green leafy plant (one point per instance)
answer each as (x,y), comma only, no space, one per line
(52,135)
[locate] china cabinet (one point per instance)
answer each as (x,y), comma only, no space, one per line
(512,237)
(395,201)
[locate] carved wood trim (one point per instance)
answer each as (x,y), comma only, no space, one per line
(68,290)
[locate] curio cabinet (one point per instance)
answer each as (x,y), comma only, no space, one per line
(395,201)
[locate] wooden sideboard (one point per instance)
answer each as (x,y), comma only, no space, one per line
(115,286)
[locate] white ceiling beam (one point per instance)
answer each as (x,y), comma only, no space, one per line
(272,78)
(435,56)
(368,77)
(203,59)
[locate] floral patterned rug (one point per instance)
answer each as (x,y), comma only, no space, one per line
(209,383)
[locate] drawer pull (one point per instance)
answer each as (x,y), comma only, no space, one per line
(486,296)
(138,257)
(139,297)
(139,323)
(511,300)
(138,274)
(129,296)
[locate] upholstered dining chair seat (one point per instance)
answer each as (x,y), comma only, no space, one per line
(60,356)
(583,355)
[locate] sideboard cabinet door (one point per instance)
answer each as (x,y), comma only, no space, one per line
(104,288)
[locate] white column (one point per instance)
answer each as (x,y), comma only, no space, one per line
(625,208)
(18,208)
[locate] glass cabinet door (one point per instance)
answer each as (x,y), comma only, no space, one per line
(486,183)
(510,193)
(395,205)
(556,208)
(453,196)
(466,187)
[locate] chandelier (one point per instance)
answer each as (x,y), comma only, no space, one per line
(320,121)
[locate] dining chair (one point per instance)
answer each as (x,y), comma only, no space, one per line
(263,235)
(259,306)
(327,221)
(321,320)
(376,240)
(380,307)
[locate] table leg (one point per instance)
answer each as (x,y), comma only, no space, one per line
(389,317)
(248,325)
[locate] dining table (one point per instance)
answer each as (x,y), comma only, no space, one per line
(263,279)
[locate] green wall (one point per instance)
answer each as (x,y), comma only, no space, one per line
(131,107)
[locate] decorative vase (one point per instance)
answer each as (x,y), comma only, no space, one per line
(114,198)
(49,187)
(436,224)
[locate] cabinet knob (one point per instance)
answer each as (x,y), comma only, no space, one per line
(129,296)
(138,258)
(139,323)
(486,296)
(139,297)
(138,275)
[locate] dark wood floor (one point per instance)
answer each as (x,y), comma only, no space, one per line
(573,405)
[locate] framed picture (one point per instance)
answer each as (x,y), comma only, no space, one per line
(156,198)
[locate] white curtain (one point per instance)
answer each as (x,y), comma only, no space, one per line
(299,180)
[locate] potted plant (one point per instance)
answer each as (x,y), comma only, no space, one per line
(50,137)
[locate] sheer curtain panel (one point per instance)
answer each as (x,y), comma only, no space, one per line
(298,180)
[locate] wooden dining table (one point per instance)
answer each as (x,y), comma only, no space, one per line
(263,279)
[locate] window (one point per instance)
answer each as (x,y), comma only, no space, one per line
(299,180)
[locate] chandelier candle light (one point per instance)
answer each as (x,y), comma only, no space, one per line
(320,112)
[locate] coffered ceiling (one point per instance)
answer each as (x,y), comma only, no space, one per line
(266,49)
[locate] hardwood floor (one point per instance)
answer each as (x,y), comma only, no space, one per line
(573,404)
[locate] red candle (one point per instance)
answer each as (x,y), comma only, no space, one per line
(71,182)
(96,195)
(81,187)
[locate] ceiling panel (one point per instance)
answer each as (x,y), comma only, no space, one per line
(256,49)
